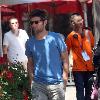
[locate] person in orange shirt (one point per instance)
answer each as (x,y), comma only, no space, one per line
(81,41)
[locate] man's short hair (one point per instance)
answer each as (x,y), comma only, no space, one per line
(42,13)
(73,15)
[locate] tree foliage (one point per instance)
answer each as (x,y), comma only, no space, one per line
(14,82)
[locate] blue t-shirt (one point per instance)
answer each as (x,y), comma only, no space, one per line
(46,57)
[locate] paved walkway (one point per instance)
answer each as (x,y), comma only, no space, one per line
(70,93)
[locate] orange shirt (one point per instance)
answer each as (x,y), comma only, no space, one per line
(78,44)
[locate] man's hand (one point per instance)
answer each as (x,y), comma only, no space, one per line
(65,78)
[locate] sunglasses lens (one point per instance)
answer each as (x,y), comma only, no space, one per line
(31,22)
(35,22)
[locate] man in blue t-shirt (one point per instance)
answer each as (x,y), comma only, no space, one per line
(47,60)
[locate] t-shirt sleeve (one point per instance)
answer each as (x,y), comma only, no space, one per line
(61,44)
(5,40)
(69,42)
(26,37)
(28,51)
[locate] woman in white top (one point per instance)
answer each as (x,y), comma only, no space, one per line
(14,43)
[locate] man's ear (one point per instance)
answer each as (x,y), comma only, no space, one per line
(73,23)
(45,22)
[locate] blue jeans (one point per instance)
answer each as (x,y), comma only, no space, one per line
(48,92)
(83,88)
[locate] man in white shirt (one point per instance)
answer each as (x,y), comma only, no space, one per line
(14,43)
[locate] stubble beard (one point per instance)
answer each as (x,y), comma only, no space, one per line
(38,31)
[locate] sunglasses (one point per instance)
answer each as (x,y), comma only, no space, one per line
(35,22)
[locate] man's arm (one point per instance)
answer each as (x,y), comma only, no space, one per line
(30,68)
(64,57)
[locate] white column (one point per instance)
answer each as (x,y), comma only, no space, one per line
(1,53)
(84,8)
(96,19)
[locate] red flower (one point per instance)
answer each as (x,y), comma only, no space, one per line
(25,95)
(9,75)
